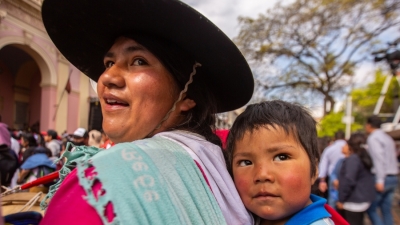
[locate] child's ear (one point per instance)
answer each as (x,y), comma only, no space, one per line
(315,177)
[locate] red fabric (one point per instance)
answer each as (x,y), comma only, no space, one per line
(223,135)
(336,217)
(104,145)
(204,175)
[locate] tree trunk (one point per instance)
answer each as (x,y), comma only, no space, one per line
(329,104)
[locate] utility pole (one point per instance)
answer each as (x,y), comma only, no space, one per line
(348,119)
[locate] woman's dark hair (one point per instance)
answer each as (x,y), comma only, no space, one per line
(200,119)
(30,139)
(357,144)
(293,119)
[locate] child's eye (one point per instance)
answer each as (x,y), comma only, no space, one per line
(139,62)
(108,64)
(244,162)
(281,157)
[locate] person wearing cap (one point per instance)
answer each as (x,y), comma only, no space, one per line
(163,71)
(50,137)
(80,137)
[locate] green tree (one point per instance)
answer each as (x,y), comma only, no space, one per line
(314,45)
(364,101)
(332,123)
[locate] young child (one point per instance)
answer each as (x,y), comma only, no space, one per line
(273,158)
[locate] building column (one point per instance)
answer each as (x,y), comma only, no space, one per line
(48,109)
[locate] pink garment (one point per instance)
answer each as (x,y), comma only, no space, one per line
(223,135)
(68,205)
(5,138)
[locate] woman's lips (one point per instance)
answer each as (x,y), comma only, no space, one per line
(113,103)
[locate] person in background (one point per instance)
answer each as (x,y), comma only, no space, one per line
(16,147)
(329,158)
(95,138)
(382,149)
(35,166)
(356,182)
(323,143)
(106,142)
(52,142)
(80,137)
(8,158)
(28,143)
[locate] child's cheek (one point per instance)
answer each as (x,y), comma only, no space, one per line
(242,183)
(296,181)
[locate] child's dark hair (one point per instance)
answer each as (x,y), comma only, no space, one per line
(356,144)
(293,118)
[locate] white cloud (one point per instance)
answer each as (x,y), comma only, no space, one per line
(225,13)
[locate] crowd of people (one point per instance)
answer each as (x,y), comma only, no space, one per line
(27,155)
(359,176)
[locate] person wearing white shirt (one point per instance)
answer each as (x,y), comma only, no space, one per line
(329,158)
(382,149)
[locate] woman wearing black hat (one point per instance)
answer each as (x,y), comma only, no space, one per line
(162,70)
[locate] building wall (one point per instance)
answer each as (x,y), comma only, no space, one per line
(21,26)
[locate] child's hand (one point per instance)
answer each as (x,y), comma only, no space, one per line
(339,205)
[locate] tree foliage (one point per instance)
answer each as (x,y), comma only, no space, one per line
(364,101)
(366,98)
(314,45)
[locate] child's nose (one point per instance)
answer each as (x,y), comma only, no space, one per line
(264,173)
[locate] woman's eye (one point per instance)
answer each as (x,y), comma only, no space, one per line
(281,157)
(108,64)
(244,162)
(139,62)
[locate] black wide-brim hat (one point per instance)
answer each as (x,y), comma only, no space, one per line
(84,30)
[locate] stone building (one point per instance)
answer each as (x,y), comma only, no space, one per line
(34,75)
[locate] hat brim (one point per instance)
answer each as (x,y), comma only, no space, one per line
(84,30)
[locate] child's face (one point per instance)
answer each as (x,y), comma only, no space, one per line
(272,173)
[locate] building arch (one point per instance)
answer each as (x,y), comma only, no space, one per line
(46,65)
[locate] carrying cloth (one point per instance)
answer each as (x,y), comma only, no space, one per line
(166,186)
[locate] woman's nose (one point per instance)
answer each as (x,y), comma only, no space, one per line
(113,77)
(263,174)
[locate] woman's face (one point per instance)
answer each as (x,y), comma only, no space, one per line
(136,91)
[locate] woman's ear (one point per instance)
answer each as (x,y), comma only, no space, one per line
(186,104)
